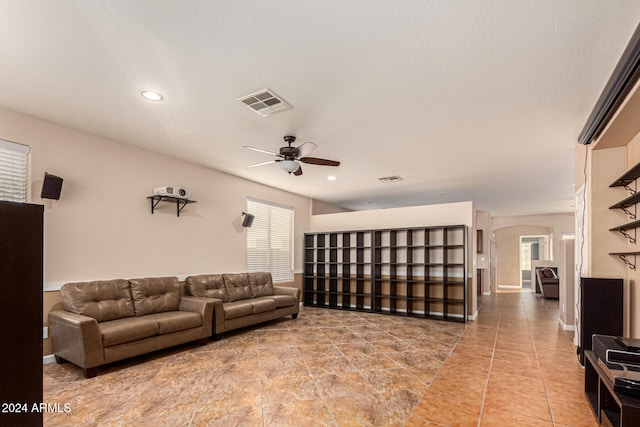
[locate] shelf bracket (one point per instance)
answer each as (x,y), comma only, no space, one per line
(628,212)
(179,207)
(629,189)
(627,235)
(631,265)
(154,204)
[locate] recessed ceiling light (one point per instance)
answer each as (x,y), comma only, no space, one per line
(331,178)
(444,194)
(151,96)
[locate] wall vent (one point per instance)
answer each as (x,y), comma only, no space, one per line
(388,179)
(265,102)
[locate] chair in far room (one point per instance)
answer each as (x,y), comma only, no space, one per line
(549,283)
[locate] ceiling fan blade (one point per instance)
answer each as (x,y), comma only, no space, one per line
(298,171)
(303,150)
(260,150)
(317,161)
(262,163)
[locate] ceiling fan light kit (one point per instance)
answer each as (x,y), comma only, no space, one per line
(289,157)
(289,165)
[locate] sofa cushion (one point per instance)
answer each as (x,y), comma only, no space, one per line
(260,305)
(155,295)
(122,331)
(261,284)
(102,300)
(237,286)
(206,285)
(174,321)
(284,300)
(235,309)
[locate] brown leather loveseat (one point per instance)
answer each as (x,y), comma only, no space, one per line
(106,321)
(243,299)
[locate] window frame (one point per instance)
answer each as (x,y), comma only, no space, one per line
(267,228)
(17,190)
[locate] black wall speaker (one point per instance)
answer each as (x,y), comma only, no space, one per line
(247,220)
(51,187)
(601,302)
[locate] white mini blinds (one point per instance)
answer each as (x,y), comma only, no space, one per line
(14,161)
(270,239)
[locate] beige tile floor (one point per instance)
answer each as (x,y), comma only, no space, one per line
(512,367)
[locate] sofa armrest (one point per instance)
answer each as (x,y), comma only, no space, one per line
(203,306)
(76,338)
(286,290)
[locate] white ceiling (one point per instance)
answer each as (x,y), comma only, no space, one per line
(479,99)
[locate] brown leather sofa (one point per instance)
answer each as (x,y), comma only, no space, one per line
(549,283)
(243,299)
(106,321)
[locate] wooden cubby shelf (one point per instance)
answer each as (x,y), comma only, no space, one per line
(417,272)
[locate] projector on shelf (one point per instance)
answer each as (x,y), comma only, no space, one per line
(170,191)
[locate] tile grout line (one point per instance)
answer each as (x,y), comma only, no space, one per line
(493,352)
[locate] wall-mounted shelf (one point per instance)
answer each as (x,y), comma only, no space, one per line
(623,230)
(628,202)
(626,180)
(180,203)
(623,256)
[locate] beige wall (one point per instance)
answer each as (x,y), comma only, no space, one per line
(507,241)
(460,213)
(102,226)
(318,207)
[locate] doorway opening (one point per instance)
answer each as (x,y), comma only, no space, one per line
(532,248)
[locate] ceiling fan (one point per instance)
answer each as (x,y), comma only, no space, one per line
(289,157)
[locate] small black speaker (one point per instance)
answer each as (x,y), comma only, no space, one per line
(247,220)
(51,187)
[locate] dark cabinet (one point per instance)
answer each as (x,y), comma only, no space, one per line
(601,303)
(418,272)
(21,265)
(610,407)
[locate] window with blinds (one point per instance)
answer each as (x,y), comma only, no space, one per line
(270,239)
(14,159)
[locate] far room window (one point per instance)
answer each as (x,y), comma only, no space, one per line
(14,161)
(270,239)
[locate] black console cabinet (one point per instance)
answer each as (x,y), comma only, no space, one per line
(21,265)
(610,407)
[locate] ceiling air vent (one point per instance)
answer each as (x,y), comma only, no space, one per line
(265,102)
(388,179)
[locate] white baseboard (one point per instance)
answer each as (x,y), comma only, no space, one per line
(49,358)
(486,293)
(566,327)
(474,316)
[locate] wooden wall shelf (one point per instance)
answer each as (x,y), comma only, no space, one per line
(628,178)
(180,203)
